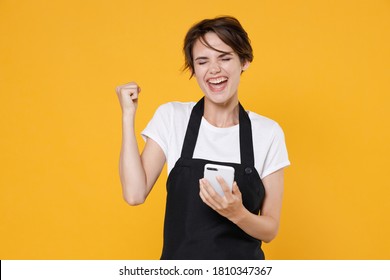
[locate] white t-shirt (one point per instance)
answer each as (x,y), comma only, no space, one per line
(169,124)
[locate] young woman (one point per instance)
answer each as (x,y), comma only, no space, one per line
(199,222)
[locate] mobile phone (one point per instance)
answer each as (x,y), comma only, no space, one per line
(211,171)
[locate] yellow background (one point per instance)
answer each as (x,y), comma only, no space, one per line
(321,70)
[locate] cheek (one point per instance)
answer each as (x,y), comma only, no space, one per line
(235,72)
(199,81)
(199,74)
(198,71)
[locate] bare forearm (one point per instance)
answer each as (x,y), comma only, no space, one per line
(263,228)
(132,173)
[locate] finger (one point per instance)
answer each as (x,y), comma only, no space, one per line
(235,188)
(134,95)
(202,196)
(205,187)
(132,85)
(134,90)
(130,91)
(224,186)
(211,196)
(210,190)
(118,90)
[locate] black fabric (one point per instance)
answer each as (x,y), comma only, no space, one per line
(192,230)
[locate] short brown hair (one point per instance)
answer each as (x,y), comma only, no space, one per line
(228,29)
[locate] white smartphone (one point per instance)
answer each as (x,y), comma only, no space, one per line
(211,171)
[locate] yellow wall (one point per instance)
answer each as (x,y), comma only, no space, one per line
(321,69)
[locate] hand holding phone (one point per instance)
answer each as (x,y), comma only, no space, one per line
(211,171)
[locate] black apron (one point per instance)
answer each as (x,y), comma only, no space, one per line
(192,230)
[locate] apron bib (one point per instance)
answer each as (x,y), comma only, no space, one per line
(192,230)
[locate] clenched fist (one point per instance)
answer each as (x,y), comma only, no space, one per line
(128,97)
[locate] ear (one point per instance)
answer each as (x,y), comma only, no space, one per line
(245,65)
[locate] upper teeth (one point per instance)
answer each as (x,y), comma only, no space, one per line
(217,80)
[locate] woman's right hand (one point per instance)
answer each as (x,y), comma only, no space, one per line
(128,97)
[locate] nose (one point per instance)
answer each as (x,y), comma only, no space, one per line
(214,68)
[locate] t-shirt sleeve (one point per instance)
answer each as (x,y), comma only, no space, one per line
(158,127)
(277,156)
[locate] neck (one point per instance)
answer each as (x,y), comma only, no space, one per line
(221,115)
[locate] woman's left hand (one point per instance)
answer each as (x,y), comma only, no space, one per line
(229,206)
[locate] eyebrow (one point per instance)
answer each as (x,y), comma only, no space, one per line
(221,55)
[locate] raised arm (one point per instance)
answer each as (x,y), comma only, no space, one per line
(138,173)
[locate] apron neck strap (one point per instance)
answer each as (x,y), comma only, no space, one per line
(246,142)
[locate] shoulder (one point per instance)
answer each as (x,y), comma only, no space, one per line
(173,116)
(263,124)
(176,108)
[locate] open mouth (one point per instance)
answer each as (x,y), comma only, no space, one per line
(217,84)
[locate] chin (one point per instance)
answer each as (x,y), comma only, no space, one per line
(219,98)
